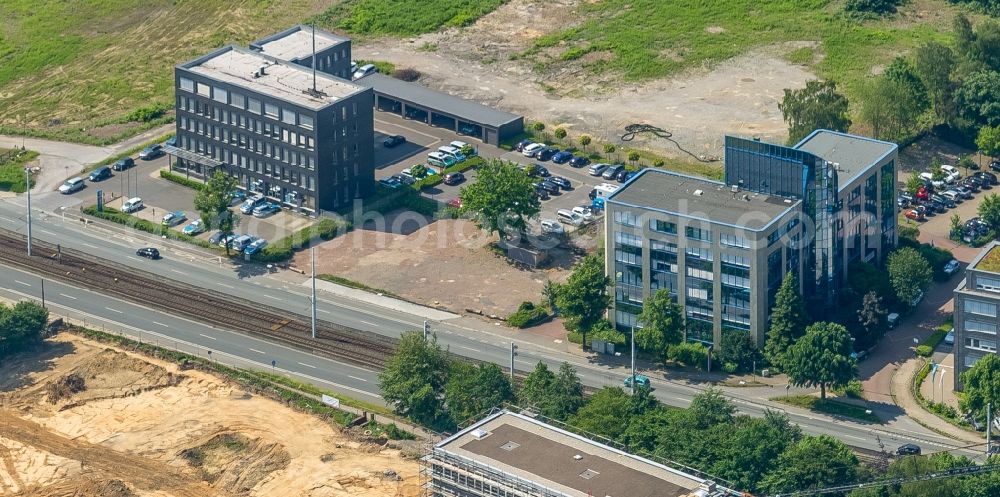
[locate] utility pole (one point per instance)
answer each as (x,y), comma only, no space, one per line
(312,254)
(27,187)
(513,352)
(427,329)
(989,425)
(43,293)
(633,361)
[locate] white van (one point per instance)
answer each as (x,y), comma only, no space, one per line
(440,160)
(454,153)
(131,205)
(241,242)
(567,216)
(604,190)
(461,145)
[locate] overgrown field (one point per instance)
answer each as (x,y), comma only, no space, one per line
(403,17)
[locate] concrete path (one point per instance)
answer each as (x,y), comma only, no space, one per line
(903,395)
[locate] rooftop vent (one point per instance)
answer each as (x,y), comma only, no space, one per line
(577,457)
(509,446)
(263,69)
(480,433)
(735,188)
(588,474)
(698,193)
(788,200)
(746,197)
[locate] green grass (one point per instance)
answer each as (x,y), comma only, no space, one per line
(829,407)
(12,164)
(643,39)
(926,348)
(354,284)
(403,17)
(384,67)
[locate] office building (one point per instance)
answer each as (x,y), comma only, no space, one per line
(509,454)
(304,139)
(297,44)
(722,247)
(975,319)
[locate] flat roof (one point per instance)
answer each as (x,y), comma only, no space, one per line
(437,101)
(296,43)
(283,80)
(545,455)
(853,153)
(988,260)
(702,199)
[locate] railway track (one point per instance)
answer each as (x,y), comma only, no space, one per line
(333,340)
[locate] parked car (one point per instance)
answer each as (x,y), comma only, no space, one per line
(905,196)
(521,144)
(951,267)
(567,216)
(949,339)
(975,183)
(584,212)
(148,252)
(629,175)
(598,169)
(989,177)
(390,182)
(934,207)
(923,193)
(241,242)
(216,238)
(612,171)
(151,152)
(914,215)
(995,165)
(640,381)
(951,173)
(545,154)
(194,228)
(100,174)
(551,227)
(173,218)
(460,145)
(622,175)
(562,157)
(941,199)
(226,240)
(952,195)
(172,141)
(454,178)
(563,183)
(550,187)
(132,205)
(540,192)
(365,70)
(71,185)
(394,140)
(908,450)
(123,164)
(266,209)
(455,202)
(250,204)
(929,178)
(406,180)
(964,191)
(532,149)
(237,196)
(255,246)
(579,161)
(541,170)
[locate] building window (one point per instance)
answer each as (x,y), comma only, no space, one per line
(663,226)
(734,241)
(204,90)
(699,253)
(626,218)
(288,116)
(305,121)
(970,360)
(253,105)
(270,110)
(981,308)
(698,233)
(187,85)
(735,260)
(980,327)
(628,239)
(981,344)
(988,284)
(220,95)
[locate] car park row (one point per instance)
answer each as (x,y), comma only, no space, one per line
(941,191)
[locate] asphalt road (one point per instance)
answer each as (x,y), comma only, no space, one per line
(465,337)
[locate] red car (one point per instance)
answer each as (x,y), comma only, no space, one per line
(455,202)
(914,215)
(923,195)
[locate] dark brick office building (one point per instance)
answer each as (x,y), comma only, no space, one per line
(303,139)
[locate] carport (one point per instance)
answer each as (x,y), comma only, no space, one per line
(419,103)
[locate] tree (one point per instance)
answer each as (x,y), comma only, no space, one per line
(609,149)
(212,203)
(738,348)
(419,171)
(981,383)
(788,320)
(913,183)
(909,273)
(871,317)
(536,385)
(989,211)
(753,444)
(890,107)
(414,379)
(817,106)
(934,63)
(557,396)
(471,390)
(711,408)
(550,291)
(633,156)
(988,140)
(901,71)
(501,200)
(956,225)
(606,413)
(584,297)
(964,36)
(538,126)
(584,141)
(822,357)
(21,326)
(560,133)
(978,99)
(662,324)
(813,462)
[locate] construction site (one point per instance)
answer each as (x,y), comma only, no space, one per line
(80,418)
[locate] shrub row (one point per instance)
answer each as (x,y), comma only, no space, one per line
(282,250)
(689,354)
(528,315)
(140,224)
(926,348)
(181,180)
(436,179)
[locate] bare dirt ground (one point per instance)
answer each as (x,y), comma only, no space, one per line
(739,96)
(445,264)
(83,420)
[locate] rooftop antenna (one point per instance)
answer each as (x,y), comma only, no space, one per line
(314,57)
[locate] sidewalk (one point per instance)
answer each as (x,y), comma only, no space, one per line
(902,382)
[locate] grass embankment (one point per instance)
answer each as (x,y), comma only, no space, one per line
(403,17)
(829,407)
(12,164)
(354,284)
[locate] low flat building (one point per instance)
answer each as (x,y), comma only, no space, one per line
(513,455)
(977,300)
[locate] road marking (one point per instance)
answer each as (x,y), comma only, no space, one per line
(324,311)
(307,365)
(356,378)
(179,272)
(208,337)
(21,282)
(854,437)
(468,348)
(130,257)
(273,297)
(161,324)
(67,296)
(223,284)
(89,245)
(369,324)
(257,351)
(7,219)
(47,232)
(114,310)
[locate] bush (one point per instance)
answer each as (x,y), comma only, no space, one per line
(406,74)
(148,113)
(924,351)
(281,250)
(181,180)
(983,240)
(853,389)
(527,315)
(689,354)
(729,367)
(926,348)
(908,232)
(879,7)
(119,217)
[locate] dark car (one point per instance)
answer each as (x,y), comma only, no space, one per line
(975,183)
(622,176)
(562,157)
(562,182)
(629,175)
(936,206)
(947,202)
(988,177)
(908,450)
(123,164)
(100,174)
(541,192)
(965,191)
(612,171)
(172,141)
(454,178)
(393,140)
(539,170)
(545,154)
(521,144)
(148,252)
(579,161)
(151,152)
(550,187)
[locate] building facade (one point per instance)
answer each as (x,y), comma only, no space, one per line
(977,299)
(303,140)
(722,248)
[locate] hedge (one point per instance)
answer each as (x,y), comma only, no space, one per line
(140,224)
(689,354)
(436,179)
(282,250)
(528,315)
(926,348)
(181,180)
